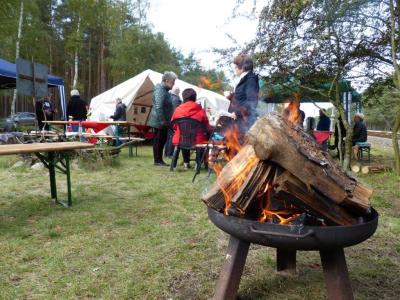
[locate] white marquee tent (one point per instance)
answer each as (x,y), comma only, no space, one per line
(136,93)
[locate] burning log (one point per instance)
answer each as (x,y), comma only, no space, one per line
(291,189)
(252,186)
(231,179)
(289,146)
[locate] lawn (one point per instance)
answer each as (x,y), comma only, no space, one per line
(137,231)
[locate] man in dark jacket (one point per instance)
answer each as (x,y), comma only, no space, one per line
(76,108)
(44,112)
(324,123)
(119,115)
(245,98)
(359,132)
(120,111)
(160,115)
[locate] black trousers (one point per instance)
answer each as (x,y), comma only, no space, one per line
(169,148)
(199,155)
(160,137)
(186,155)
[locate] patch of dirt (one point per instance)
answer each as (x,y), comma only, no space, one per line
(184,286)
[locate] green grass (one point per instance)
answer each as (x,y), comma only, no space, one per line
(137,231)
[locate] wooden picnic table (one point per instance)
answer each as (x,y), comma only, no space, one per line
(53,156)
(98,126)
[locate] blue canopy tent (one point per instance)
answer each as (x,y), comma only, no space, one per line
(8,81)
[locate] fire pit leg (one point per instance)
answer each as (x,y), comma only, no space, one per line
(285,260)
(229,278)
(336,274)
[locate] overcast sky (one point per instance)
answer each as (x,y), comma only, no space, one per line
(198,26)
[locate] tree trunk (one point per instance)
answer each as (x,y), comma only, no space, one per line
(102,68)
(76,59)
(90,69)
(19,35)
(396,81)
(395,143)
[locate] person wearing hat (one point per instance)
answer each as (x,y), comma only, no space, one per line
(44,111)
(76,109)
(359,132)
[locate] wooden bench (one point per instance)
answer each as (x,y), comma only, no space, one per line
(364,147)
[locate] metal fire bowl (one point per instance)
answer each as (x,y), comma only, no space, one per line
(296,237)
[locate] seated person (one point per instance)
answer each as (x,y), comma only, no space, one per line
(359,132)
(190,109)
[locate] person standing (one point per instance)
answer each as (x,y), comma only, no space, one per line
(324,123)
(158,120)
(245,97)
(176,101)
(119,115)
(76,109)
(44,112)
(120,111)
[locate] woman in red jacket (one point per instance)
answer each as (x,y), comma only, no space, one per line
(190,109)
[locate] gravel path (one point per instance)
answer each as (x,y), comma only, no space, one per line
(380,142)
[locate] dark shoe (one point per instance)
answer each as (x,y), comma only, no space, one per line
(162,163)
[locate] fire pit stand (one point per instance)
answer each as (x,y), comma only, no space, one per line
(287,239)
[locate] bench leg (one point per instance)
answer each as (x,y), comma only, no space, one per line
(68,173)
(52,175)
(131,150)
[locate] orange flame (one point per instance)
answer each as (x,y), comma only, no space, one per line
(240,171)
(233,145)
(267,213)
(292,110)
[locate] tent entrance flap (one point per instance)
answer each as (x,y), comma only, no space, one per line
(142,103)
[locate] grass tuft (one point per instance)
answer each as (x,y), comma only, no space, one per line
(137,231)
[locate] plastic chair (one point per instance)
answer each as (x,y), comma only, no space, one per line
(188,129)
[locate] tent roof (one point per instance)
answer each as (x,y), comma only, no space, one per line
(138,90)
(8,76)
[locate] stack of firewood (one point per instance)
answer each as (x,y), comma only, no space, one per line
(282,162)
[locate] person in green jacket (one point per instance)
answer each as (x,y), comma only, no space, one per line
(160,115)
